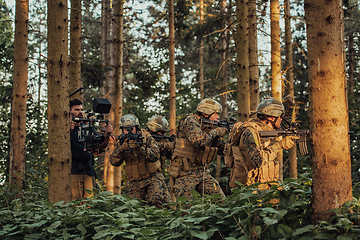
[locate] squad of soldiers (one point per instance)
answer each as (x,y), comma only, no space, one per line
(197,142)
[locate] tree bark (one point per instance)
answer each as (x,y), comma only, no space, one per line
(223,63)
(328,118)
(201,54)
(172,103)
(118,87)
(253,57)
(59,157)
(242,60)
(290,81)
(276,64)
(18,110)
(75,48)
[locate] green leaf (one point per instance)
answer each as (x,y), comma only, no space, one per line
(201,235)
(82,229)
(300,231)
(269,221)
(287,229)
(145,231)
(344,238)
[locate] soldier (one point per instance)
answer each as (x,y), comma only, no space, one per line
(143,168)
(197,144)
(158,126)
(253,159)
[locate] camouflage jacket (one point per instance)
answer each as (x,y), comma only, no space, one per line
(198,133)
(260,150)
(150,150)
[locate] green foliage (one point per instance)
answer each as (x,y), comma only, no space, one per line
(282,212)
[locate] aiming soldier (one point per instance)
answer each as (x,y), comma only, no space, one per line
(251,157)
(143,168)
(197,144)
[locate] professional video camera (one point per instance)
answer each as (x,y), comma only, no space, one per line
(86,132)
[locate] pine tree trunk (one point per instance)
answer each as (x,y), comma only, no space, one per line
(223,63)
(201,54)
(75,47)
(18,110)
(276,63)
(172,103)
(328,118)
(59,157)
(107,85)
(290,80)
(242,59)
(118,87)
(253,57)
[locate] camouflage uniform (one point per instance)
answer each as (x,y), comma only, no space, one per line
(145,181)
(192,173)
(253,159)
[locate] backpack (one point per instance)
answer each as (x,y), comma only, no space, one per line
(233,139)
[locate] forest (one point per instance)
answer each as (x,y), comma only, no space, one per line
(163,57)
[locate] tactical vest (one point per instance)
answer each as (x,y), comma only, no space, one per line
(137,167)
(186,156)
(236,157)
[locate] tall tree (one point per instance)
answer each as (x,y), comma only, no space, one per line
(290,80)
(18,110)
(172,100)
(253,57)
(223,61)
(75,47)
(331,165)
(276,62)
(242,59)
(201,53)
(118,84)
(59,160)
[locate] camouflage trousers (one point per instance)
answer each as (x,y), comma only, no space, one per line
(152,189)
(199,180)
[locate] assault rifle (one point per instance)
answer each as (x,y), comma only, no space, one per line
(131,136)
(226,123)
(158,137)
(291,130)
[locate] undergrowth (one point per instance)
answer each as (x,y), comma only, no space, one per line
(282,212)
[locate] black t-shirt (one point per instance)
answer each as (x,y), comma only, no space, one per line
(82,161)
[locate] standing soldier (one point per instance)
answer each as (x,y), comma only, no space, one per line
(197,144)
(158,126)
(143,168)
(253,159)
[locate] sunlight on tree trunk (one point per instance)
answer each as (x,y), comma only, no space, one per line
(242,60)
(75,48)
(290,81)
(331,165)
(172,104)
(276,63)
(18,110)
(253,57)
(59,157)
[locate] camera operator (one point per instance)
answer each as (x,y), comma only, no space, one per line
(82,170)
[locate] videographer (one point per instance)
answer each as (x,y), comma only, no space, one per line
(82,170)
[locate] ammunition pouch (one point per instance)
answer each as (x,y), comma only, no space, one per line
(205,155)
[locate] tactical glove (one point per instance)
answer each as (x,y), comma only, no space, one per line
(124,147)
(287,142)
(221,131)
(133,145)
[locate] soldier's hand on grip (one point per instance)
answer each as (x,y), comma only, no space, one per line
(287,142)
(221,131)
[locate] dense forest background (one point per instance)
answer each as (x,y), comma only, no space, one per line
(146,78)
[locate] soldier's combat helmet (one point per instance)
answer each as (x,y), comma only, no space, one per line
(209,106)
(157,123)
(270,107)
(129,120)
